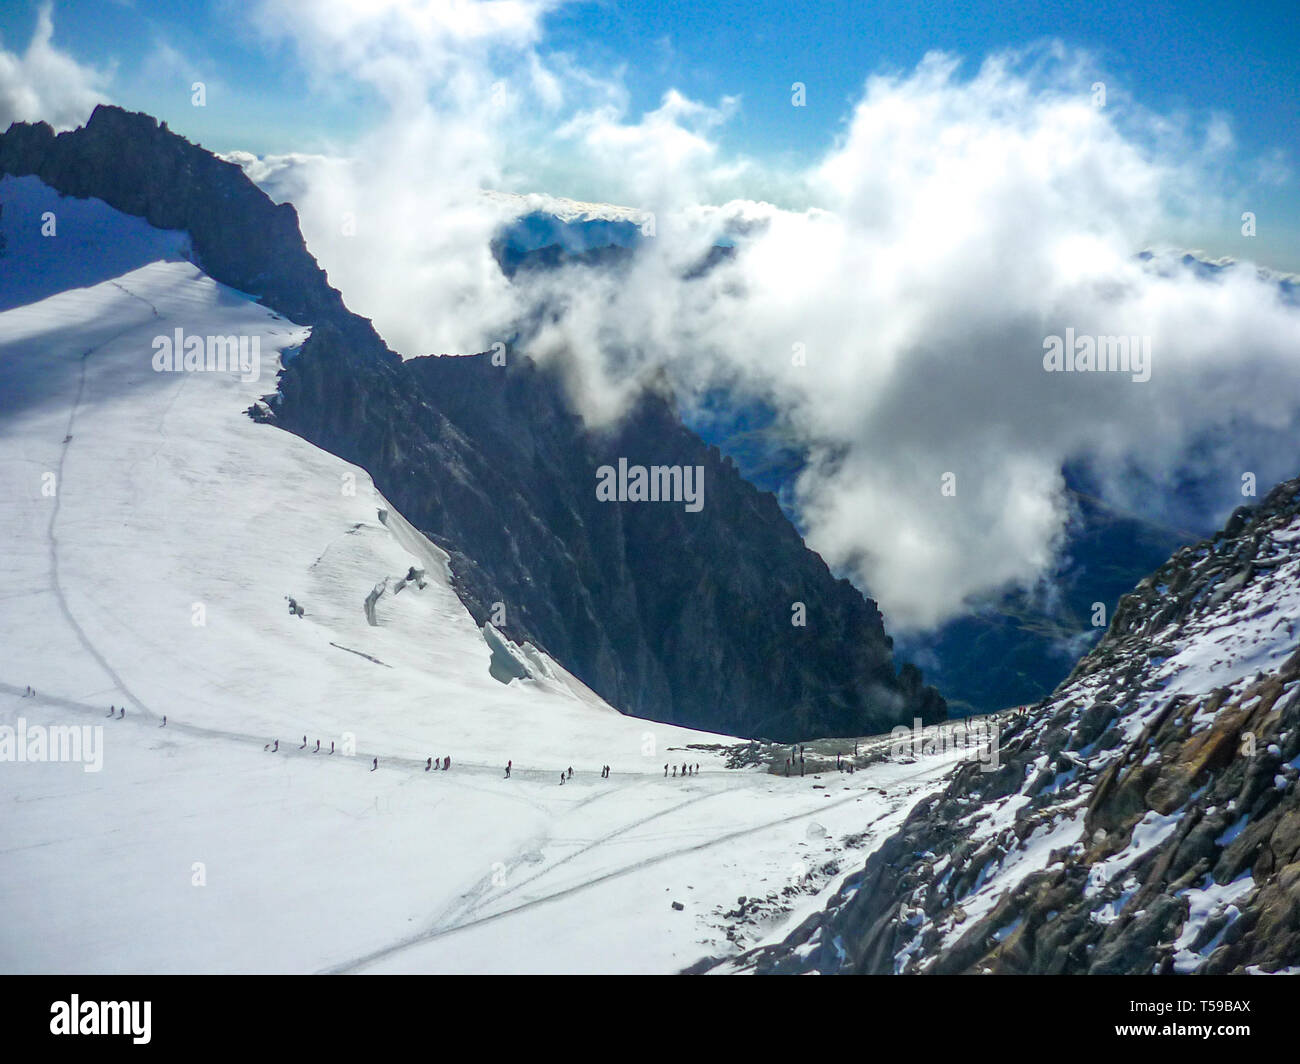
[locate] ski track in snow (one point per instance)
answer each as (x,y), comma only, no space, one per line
(449,922)
(52,538)
(461,914)
(360,963)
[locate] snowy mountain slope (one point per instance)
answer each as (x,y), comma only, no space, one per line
(53,243)
(171,500)
(1146,817)
(154,534)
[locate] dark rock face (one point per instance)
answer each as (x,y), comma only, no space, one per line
(673,615)
(1146,818)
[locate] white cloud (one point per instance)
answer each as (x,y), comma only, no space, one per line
(46,84)
(664,161)
(959,222)
(964,221)
(401,225)
(403,48)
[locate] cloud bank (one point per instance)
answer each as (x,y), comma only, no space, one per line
(897,327)
(46,84)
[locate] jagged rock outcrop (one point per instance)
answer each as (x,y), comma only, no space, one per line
(1145,818)
(672,615)
(239,236)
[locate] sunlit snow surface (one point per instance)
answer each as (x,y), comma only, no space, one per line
(152,534)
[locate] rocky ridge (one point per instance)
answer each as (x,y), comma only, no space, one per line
(1144,819)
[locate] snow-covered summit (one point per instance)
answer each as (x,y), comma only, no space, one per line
(566,210)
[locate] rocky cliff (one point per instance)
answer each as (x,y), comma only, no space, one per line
(673,615)
(1145,818)
(669,614)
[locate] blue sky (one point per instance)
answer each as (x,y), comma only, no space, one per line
(1195,61)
